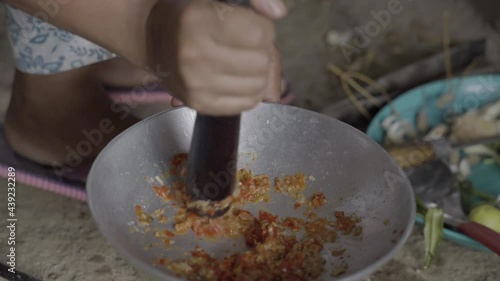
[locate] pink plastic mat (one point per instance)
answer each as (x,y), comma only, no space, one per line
(74,191)
(154,93)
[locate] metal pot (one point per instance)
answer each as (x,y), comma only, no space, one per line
(355,174)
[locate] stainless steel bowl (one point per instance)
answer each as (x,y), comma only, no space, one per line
(355,174)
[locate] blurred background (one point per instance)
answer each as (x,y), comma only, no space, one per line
(358,36)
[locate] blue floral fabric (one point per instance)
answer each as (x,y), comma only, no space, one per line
(41,48)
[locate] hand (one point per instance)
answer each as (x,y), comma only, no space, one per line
(272,9)
(227,64)
(273,89)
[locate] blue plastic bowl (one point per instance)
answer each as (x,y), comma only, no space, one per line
(469,92)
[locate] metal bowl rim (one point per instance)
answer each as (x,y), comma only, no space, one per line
(150,269)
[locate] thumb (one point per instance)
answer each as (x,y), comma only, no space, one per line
(175,102)
(273,9)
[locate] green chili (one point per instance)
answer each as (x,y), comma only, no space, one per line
(433,233)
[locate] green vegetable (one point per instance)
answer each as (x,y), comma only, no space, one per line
(483,196)
(433,233)
(433,230)
(486,215)
(471,196)
(421,208)
(496,147)
(466,194)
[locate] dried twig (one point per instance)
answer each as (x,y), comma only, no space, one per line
(362,77)
(401,80)
(337,71)
(446,44)
(347,80)
(471,66)
(449,95)
(354,100)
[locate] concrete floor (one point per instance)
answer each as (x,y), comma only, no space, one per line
(57,239)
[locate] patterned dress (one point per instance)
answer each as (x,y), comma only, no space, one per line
(41,48)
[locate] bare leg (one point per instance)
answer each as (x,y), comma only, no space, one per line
(67,118)
(53,117)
